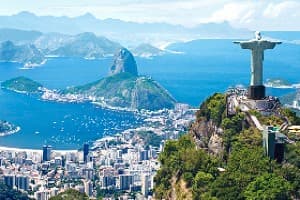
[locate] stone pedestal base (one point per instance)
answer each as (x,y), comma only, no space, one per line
(256,92)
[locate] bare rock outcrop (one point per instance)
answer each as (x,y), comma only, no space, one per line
(124,62)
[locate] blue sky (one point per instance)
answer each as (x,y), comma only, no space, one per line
(255,14)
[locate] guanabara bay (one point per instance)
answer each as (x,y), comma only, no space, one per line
(162,100)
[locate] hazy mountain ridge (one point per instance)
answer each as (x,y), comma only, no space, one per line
(32,47)
(147,51)
(119,30)
(86,45)
(19,36)
(27,54)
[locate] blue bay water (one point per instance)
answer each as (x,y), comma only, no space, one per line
(189,77)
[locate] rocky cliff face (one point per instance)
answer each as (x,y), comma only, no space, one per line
(124,62)
(207,136)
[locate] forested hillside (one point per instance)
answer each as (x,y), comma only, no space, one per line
(192,170)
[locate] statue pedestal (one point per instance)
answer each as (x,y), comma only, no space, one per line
(256,92)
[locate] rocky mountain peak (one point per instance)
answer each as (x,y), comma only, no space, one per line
(124,62)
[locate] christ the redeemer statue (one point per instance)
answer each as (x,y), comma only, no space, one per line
(257,46)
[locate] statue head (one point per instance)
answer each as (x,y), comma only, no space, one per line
(257,35)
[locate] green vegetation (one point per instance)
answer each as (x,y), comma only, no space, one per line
(106,193)
(10,194)
(128,91)
(70,195)
(150,138)
(268,186)
(121,90)
(181,160)
(291,115)
(248,173)
(22,84)
(292,154)
(213,109)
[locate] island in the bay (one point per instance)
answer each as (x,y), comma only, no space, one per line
(278,83)
(122,89)
(7,128)
(22,85)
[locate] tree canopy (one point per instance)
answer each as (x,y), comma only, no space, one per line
(244,172)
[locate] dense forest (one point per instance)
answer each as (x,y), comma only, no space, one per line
(243,171)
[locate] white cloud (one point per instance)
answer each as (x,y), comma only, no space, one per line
(231,12)
(281,9)
(267,14)
(260,15)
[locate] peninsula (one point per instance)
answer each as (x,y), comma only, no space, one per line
(123,89)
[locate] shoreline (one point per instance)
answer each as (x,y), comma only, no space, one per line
(14,149)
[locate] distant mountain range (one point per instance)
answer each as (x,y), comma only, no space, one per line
(33,38)
(32,47)
(26,53)
(86,45)
(118,30)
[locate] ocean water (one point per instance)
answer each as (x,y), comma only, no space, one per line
(189,77)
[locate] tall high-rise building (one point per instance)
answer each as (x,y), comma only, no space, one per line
(88,173)
(88,188)
(145,179)
(10,180)
(22,182)
(126,181)
(47,153)
(85,152)
(108,182)
(143,155)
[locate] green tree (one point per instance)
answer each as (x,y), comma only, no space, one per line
(249,138)
(213,108)
(292,154)
(162,182)
(292,175)
(268,186)
(70,194)
(201,183)
(244,165)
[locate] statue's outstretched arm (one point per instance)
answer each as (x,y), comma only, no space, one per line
(245,44)
(269,44)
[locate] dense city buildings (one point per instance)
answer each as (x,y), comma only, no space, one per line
(122,164)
